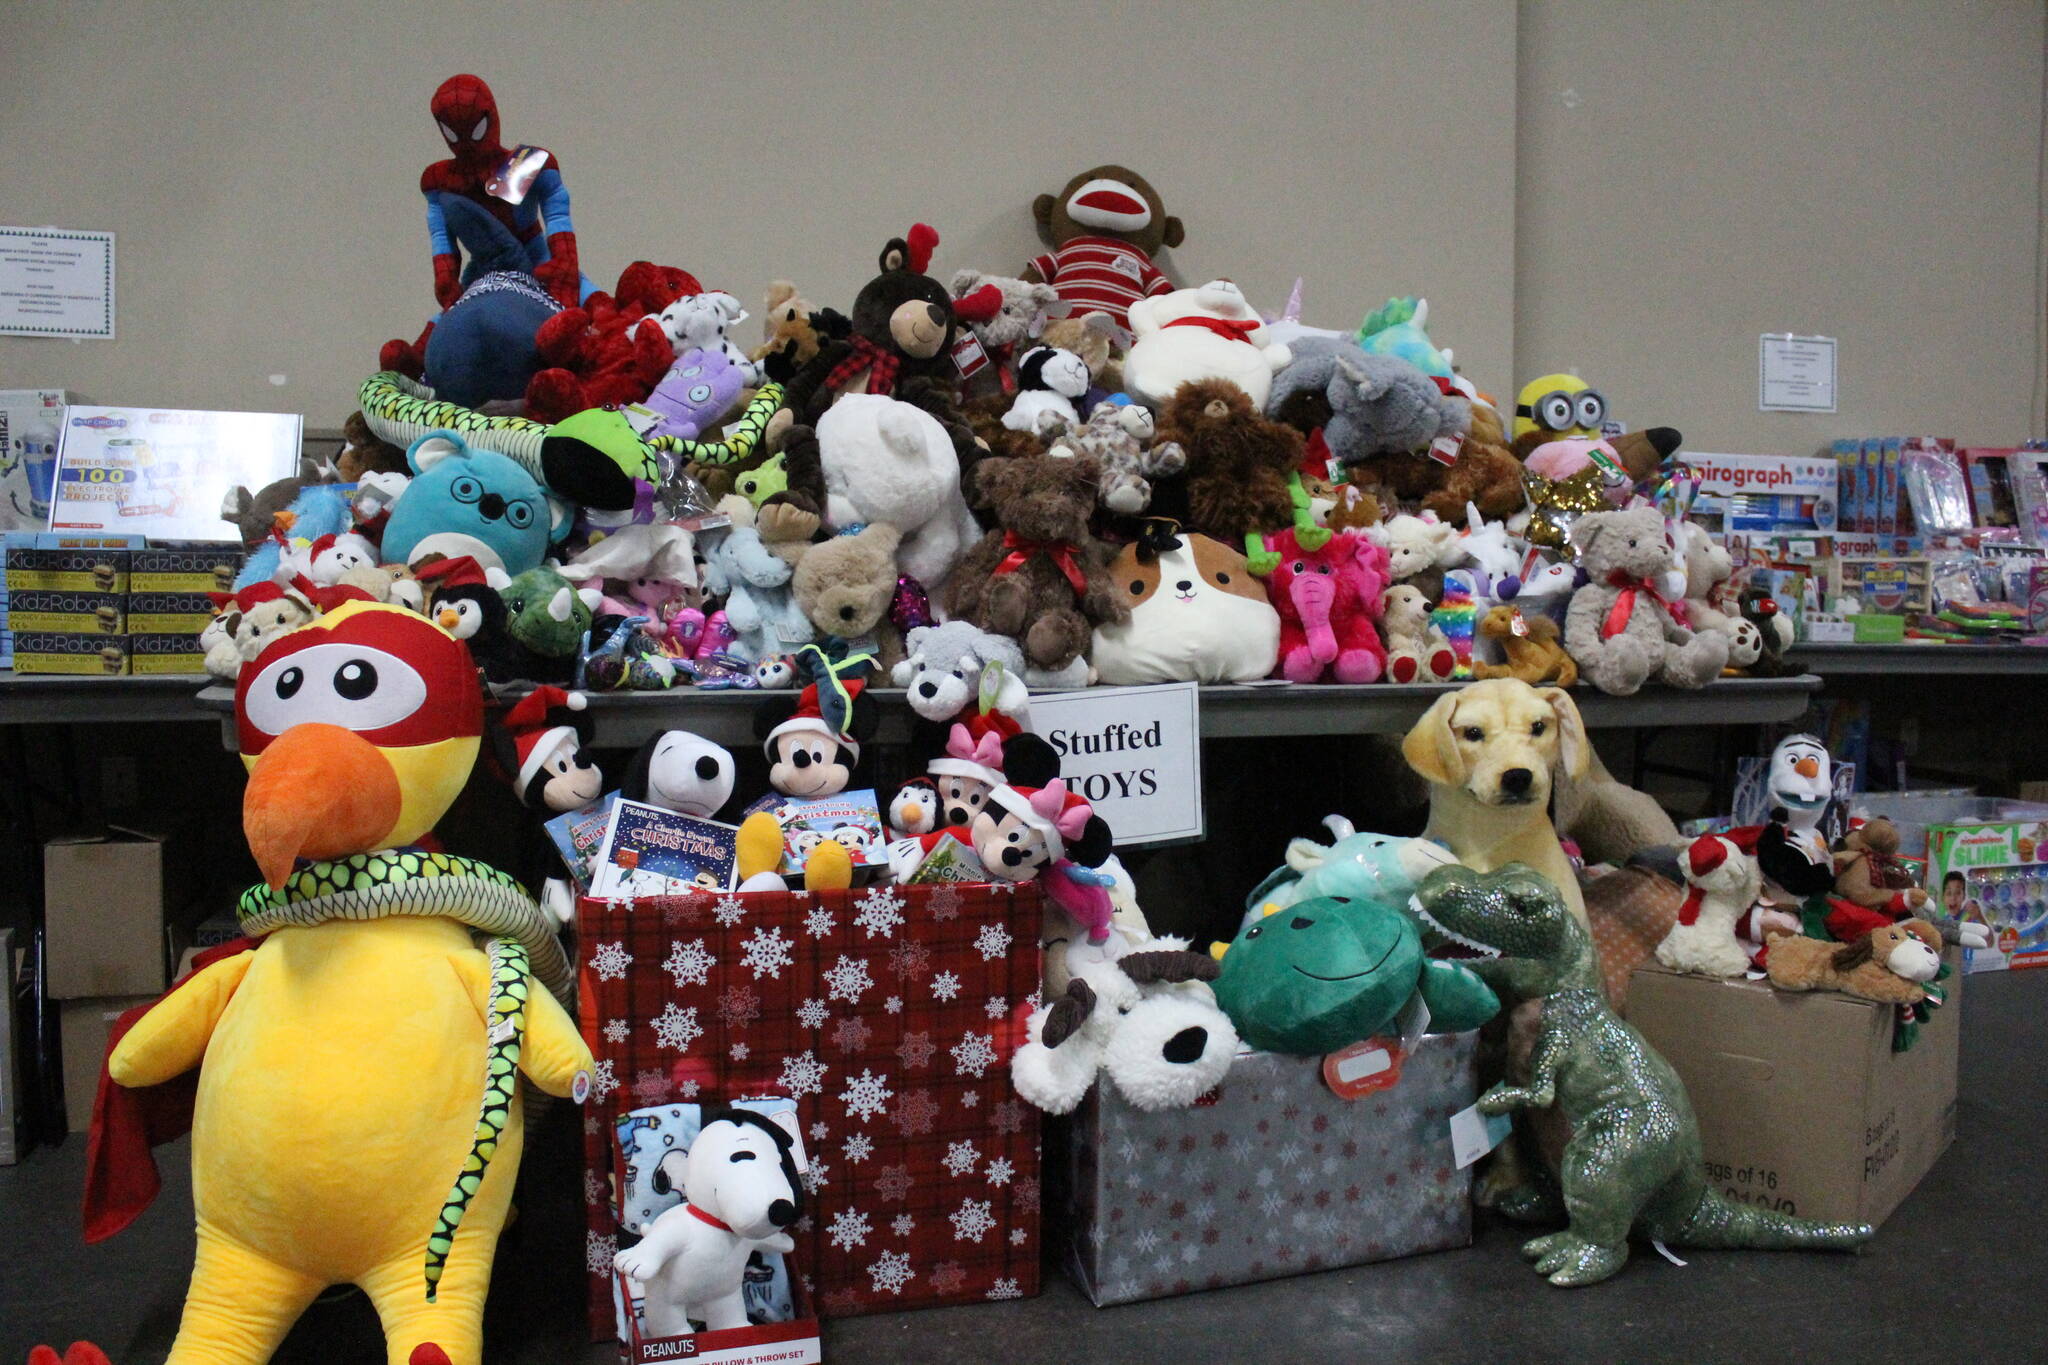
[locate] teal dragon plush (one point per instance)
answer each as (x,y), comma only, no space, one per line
(1315,976)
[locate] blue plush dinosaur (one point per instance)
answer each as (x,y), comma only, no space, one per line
(1382,867)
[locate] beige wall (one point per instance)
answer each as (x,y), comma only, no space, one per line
(1863,170)
(1867,170)
(261,163)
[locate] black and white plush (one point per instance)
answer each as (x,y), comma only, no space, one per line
(1048,381)
(682,772)
(942,669)
(1144,1017)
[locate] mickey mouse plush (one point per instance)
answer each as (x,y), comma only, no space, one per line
(1051,834)
(808,755)
(540,743)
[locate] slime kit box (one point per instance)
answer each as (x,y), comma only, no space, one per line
(1995,875)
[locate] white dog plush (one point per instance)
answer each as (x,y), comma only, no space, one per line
(1210,332)
(742,1187)
(702,322)
(1722,884)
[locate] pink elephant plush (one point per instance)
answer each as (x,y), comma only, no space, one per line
(1327,600)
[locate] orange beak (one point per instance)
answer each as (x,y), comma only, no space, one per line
(1807,767)
(317,791)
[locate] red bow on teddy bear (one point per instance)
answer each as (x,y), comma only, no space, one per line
(1625,603)
(1061,552)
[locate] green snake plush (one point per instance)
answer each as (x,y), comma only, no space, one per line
(591,457)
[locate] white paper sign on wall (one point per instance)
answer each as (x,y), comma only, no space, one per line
(1134,752)
(1795,373)
(56,283)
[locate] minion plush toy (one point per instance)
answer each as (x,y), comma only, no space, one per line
(357,1117)
(1557,407)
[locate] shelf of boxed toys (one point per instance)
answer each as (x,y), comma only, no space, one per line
(1909,661)
(1245,711)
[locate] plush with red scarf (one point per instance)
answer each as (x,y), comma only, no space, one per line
(1620,629)
(1039,578)
(1718,932)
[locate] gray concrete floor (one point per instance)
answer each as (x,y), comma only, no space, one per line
(1950,1276)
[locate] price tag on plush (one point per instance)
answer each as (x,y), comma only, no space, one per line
(1134,752)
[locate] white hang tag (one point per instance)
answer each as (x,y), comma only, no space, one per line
(1474,1134)
(1414,1022)
(1666,1252)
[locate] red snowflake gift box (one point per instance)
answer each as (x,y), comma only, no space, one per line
(889,1014)
(1273,1175)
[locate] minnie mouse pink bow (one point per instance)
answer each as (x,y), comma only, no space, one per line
(987,751)
(1050,802)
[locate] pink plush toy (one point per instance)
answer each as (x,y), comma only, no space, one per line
(1328,600)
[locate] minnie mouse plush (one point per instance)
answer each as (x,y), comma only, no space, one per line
(1053,835)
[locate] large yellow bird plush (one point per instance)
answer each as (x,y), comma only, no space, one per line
(357,1117)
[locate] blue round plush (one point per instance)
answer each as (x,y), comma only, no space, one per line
(464,501)
(482,348)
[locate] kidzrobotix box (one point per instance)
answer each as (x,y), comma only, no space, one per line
(1273,1175)
(1803,1106)
(1995,875)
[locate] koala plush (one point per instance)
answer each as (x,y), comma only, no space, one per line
(942,667)
(465,500)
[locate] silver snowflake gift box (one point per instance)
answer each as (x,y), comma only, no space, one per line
(1271,1175)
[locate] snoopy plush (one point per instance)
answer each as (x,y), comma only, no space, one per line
(682,772)
(742,1187)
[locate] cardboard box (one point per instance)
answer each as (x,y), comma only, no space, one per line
(1274,1176)
(168,613)
(100,656)
(57,570)
(106,901)
(31,424)
(67,613)
(158,655)
(195,569)
(1995,874)
(1802,1104)
(84,1026)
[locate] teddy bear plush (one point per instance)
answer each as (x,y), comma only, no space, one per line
(1419,548)
(1533,651)
(793,331)
(1870,873)
(1238,463)
(871,459)
(1707,567)
(364,452)
(1104,228)
(1209,332)
(1621,632)
(1327,598)
(845,585)
(900,343)
(1122,436)
(1040,578)
(1417,651)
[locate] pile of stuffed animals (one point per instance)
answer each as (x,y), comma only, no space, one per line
(1130,479)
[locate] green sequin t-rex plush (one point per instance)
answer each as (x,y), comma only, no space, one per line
(1634,1161)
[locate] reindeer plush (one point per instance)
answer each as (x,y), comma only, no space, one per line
(742,1188)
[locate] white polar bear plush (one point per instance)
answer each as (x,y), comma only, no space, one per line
(889,461)
(1210,332)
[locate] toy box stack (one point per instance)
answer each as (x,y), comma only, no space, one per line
(67,603)
(168,604)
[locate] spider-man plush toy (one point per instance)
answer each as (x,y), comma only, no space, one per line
(486,198)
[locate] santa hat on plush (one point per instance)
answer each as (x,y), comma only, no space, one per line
(541,723)
(1710,868)
(974,748)
(462,571)
(1052,810)
(809,718)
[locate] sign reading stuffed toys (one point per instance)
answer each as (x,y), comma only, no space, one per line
(1134,752)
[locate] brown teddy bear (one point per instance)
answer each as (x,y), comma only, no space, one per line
(1040,578)
(1887,965)
(845,586)
(1238,465)
(365,452)
(1104,228)
(1534,653)
(1484,473)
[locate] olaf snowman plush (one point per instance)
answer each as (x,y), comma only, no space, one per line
(1793,853)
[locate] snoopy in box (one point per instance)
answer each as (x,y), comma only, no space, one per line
(742,1187)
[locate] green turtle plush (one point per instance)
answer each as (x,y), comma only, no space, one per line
(1318,975)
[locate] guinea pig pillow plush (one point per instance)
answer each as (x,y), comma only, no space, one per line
(1197,615)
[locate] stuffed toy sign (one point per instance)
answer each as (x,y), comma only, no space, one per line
(1323,973)
(367,1020)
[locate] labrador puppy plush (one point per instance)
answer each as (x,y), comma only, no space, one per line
(1490,752)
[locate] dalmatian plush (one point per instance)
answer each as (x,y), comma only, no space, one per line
(703,322)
